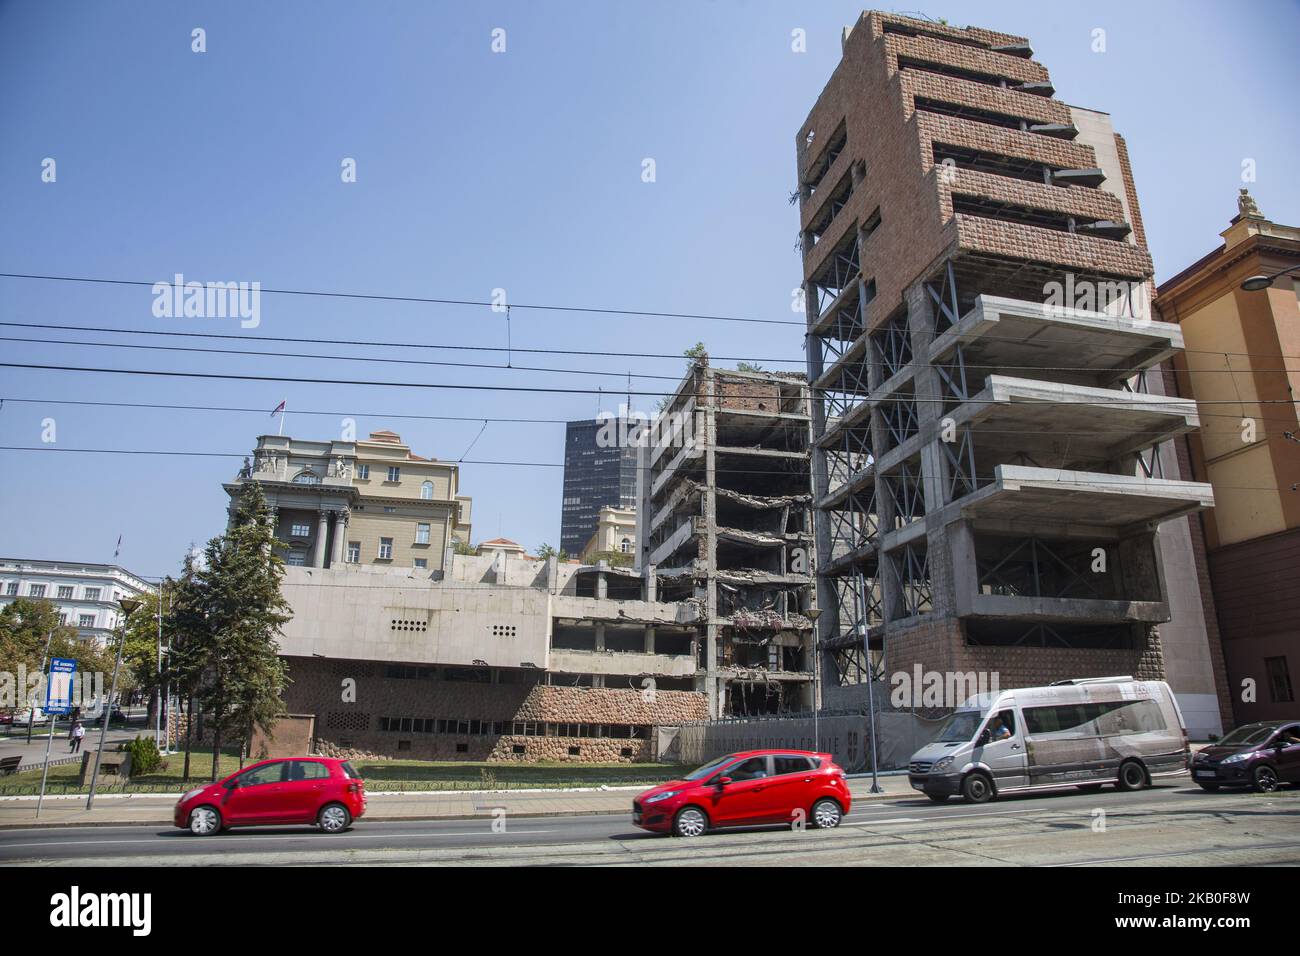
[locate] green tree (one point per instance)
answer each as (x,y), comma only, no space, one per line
(748,367)
(26,624)
(464,547)
(228,614)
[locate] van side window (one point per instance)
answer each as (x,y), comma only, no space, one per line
(1002,725)
(1114,718)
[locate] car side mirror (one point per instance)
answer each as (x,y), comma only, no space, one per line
(723,781)
(232,785)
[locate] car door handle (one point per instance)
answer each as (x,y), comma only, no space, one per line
(1015,746)
(756,789)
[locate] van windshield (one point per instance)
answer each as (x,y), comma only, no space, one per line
(960,727)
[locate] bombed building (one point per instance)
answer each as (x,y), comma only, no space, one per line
(998,460)
(724,524)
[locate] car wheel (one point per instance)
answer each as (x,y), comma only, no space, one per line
(333,818)
(826,814)
(690,822)
(1264,779)
(937,798)
(1209,787)
(1132,776)
(205,821)
(1089,787)
(977,788)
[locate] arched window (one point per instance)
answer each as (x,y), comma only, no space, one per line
(625,546)
(306,478)
(426,491)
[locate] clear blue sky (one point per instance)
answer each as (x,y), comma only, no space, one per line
(477,170)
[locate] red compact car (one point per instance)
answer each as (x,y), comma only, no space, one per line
(320,790)
(741,789)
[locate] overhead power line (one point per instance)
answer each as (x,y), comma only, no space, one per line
(606,353)
(430,300)
(478,419)
(523,368)
(1102,482)
(1118,401)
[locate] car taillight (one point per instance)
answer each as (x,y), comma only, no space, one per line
(355,787)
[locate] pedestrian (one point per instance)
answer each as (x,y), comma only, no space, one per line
(75,735)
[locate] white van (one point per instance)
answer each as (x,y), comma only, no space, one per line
(1082,733)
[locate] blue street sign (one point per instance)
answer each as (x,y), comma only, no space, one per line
(58,689)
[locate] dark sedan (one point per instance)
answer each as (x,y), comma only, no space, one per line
(1260,756)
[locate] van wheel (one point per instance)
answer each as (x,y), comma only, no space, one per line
(977,788)
(1132,776)
(333,818)
(690,822)
(205,821)
(826,814)
(1263,779)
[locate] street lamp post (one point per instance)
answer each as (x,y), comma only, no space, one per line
(1260,282)
(128,606)
(812,614)
(31,714)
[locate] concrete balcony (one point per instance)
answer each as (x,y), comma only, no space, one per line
(624,663)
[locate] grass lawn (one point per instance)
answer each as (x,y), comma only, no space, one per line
(63,778)
(378,774)
(473,775)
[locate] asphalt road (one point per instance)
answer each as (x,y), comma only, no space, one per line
(1170,825)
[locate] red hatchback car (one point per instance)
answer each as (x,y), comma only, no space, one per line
(293,790)
(752,787)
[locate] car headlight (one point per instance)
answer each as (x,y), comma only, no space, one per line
(943,763)
(662,796)
(189,795)
(1237,758)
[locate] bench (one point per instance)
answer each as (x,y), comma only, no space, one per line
(9,765)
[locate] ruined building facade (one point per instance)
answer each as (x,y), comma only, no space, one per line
(724,522)
(994,469)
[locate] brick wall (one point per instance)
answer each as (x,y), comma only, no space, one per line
(941,646)
(352,729)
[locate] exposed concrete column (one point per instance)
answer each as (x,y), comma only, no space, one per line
(602,583)
(600,636)
(651,582)
(712,687)
(340,532)
(650,640)
(322,531)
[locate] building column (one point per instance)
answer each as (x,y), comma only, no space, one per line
(650,640)
(322,531)
(340,532)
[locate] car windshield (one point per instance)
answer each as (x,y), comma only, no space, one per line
(707,769)
(960,727)
(1248,735)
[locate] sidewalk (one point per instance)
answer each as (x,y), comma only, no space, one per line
(156,809)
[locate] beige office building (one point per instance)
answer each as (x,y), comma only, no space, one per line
(358,502)
(615,533)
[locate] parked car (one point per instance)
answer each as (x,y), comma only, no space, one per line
(6,716)
(32,716)
(116,716)
(742,789)
(323,791)
(1259,756)
(1074,733)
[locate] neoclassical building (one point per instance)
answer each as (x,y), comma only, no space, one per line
(358,502)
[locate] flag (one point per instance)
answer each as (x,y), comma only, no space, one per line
(118,549)
(279,408)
